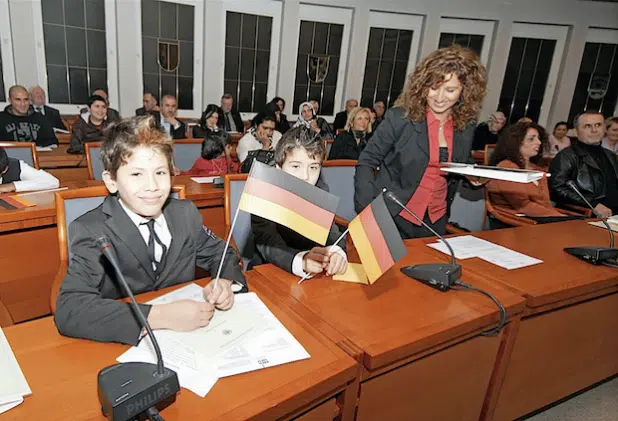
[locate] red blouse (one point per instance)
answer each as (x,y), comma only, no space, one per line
(210,167)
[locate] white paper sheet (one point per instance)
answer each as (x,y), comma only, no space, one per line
(13,384)
(497,173)
(44,149)
(204,180)
(613,224)
(9,402)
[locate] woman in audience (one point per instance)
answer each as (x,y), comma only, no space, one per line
(487,133)
(260,136)
(89,126)
(307,118)
(432,122)
(559,139)
(276,107)
(215,159)
(610,141)
(350,143)
(208,122)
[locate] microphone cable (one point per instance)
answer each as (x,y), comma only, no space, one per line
(503,315)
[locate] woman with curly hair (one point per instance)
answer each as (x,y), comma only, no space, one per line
(521,147)
(432,121)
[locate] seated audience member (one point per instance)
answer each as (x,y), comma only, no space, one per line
(215,159)
(301,154)
(52,115)
(89,126)
(260,136)
(610,141)
(150,106)
(559,139)
(380,108)
(158,242)
(230,119)
(487,133)
(520,147)
(276,107)
(17,176)
(341,118)
(325,132)
(112,115)
(20,123)
(207,123)
(307,118)
(175,128)
(351,142)
(593,168)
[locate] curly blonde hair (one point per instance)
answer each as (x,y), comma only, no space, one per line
(431,73)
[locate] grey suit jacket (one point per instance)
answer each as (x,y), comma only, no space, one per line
(87,306)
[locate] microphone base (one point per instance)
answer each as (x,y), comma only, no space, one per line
(440,276)
(127,390)
(592,254)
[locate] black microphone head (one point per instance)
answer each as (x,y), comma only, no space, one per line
(391,196)
(571,184)
(103,242)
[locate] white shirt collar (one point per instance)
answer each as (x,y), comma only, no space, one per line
(138,219)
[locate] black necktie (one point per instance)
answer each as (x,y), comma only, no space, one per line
(151,243)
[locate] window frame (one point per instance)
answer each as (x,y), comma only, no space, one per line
(601,36)
(471,27)
(111,35)
(6,47)
(272,9)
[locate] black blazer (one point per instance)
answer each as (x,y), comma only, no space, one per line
(400,149)
(345,146)
(341,118)
(53,116)
(142,111)
(87,306)
(240,125)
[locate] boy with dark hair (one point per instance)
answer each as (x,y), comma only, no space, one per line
(300,154)
(89,126)
(158,241)
(16,175)
(215,159)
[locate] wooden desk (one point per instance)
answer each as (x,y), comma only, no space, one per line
(421,353)
(567,338)
(64,387)
(63,165)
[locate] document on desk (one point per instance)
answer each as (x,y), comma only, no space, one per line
(13,386)
(613,224)
(204,180)
(468,246)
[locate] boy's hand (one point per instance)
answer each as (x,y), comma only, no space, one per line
(222,297)
(337,264)
(316,260)
(183,315)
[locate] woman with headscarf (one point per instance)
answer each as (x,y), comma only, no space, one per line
(308,118)
(207,123)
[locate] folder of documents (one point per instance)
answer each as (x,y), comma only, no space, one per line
(13,384)
(497,173)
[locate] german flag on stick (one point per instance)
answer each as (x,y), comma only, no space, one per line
(282,198)
(376,239)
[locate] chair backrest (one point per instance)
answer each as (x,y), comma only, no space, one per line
(468,209)
(338,174)
(93,158)
(489,151)
(5,316)
(329,145)
(24,151)
(186,152)
(242,235)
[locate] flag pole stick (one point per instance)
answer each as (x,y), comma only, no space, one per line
(304,278)
(227,244)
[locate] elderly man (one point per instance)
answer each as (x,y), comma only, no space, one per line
(487,133)
(19,122)
(380,108)
(38,100)
(150,106)
(230,119)
(173,127)
(342,117)
(593,168)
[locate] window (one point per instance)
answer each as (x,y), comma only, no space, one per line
(247,57)
(473,42)
(597,83)
(168,50)
(470,33)
(75,49)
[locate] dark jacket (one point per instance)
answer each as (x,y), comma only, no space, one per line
(52,115)
(198,133)
(240,125)
(345,146)
(483,136)
(575,163)
(142,111)
(13,172)
(87,306)
(326,132)
(178,133)
(341,118)
(84,131)
(400,148)
(32,127)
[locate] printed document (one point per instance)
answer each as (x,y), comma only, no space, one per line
(13,386)
(204,180)
(497,173)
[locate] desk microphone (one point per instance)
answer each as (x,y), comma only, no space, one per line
(134,390)
(596,255)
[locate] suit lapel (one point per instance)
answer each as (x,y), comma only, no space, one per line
(423,142)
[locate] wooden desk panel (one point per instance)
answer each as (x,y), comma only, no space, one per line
(64,387)
(59,158)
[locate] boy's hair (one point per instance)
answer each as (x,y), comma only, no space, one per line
(123,137)
(93,98)
(4,160)
(300,137)
(214,144)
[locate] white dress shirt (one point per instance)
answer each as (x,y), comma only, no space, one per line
(33,179)
(39,109)
(168,126)
(249,143)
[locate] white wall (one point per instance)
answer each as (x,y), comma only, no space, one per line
(578,15)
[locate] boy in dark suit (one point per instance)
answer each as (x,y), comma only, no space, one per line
(301,154)
(158,241)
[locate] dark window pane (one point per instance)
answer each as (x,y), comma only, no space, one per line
(462,39)
(231,87)
(301,70)
(52,11)
(305,37)
(265,25)
(232,60)
(320,38)
(404,45)
(523,85)
(374,49)
(399,75)
(394,95)
(74,13)
(76,46)
(390,44)
(333,68)
(531,53)
(96,50)
(328,101)
(538,86)
(589,58)
(315,92)
(245,96)
(249,28)
(186,19)
(384,78)
(150,18)
(185,93)
(534,109)
(476,43)
(259,97)
(168,20)
(58,86)
(367,98)
(55,52)
(79,85)
(98,79)
(336,37)
(545,55)
(446,39)
(371,74)
(515,54)
(151,84)
(95,14)
(185,66)
(232,29)
(168,85)
(300,96)
(606,55)
(150,53)
(261,66)
(247,63)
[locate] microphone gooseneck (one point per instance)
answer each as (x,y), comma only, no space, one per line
(573,186)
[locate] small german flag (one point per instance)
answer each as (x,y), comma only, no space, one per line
(282,198)
(15,202)
(376,239)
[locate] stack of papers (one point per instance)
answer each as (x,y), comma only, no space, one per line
(203,180)
(497,173)
(468,246)
(13,384)
(612,221)
(245,338)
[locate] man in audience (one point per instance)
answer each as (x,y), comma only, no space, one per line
(37,98)
(487,133)
(230,119)
(380,108)
(17,176)
(593,168)
(342,117)
(19,122)
(173,127)
(150,106)
(112,114)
